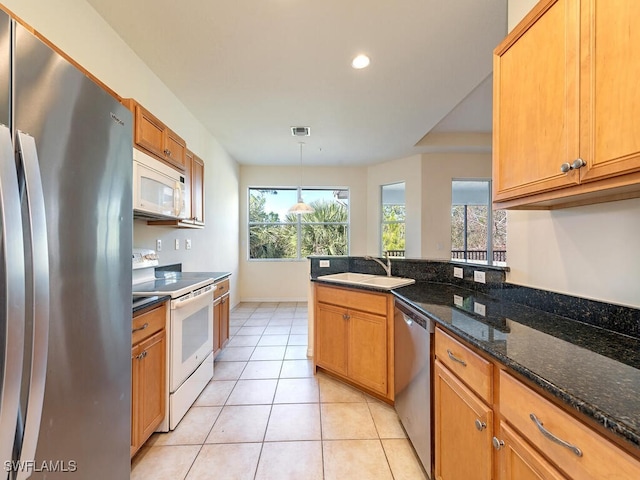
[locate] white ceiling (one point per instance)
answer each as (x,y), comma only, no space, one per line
(251,69)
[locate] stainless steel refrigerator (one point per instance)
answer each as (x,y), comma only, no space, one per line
(65,268)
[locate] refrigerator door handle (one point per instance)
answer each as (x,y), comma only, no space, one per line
(12,317)
(37,228)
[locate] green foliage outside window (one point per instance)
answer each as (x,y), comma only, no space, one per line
(323,232)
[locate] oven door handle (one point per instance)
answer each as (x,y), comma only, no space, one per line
(178,304)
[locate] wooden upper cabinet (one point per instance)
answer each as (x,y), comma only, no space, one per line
(197,190)
(564,94)
(188,173)
(153,136)
(610,97)
(536,103)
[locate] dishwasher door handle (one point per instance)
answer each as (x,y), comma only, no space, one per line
(407,320)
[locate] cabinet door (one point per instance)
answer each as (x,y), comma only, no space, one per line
(463,430)
(217,334)
(536,124)
(367,363)
(331,338)
(149,131)
(518,460)
(224,321)
(152,358)
(197,190)
(175,149)
(610,97)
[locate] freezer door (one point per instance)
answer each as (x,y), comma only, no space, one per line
(83,138)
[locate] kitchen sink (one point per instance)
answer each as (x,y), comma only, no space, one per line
(367,280)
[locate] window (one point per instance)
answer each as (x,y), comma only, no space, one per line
(470,215)
(393,219)
(276,234)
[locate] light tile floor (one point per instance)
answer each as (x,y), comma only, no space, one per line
(266,416)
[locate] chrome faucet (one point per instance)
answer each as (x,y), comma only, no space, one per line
(387,267)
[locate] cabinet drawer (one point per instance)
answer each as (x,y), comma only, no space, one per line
(350,298)
(148,323)
(221,288)
(470,367)
(597,457)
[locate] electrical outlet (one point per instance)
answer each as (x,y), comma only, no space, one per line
(480,308)
(325,263)
(457,301)
(478,276)
(457,272)
(187,244)
(158,245)
(177,244)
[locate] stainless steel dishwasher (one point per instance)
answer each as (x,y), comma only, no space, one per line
(413,367)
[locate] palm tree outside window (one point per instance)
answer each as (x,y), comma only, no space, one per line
(275,234)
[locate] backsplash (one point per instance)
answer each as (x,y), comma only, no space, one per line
(616,318)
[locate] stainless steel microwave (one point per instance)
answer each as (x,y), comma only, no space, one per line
(158,190)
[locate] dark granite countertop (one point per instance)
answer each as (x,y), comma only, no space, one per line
(140,303)
(592,370)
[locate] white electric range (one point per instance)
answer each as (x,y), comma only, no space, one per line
(189,330)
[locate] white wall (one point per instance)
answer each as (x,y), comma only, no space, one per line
(585,251)
(76,28)
(406,170)
(438,169)
(263,280)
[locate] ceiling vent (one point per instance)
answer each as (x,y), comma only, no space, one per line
(300,131)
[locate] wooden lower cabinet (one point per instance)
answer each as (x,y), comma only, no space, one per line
(148,376)
(355,344)
(221,307)
(534,437)
(463,427)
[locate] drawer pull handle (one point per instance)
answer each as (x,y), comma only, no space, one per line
(142,355)
(140,328)
(456,359)
(552,437)
(480,425)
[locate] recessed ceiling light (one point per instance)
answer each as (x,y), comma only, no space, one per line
(361,61)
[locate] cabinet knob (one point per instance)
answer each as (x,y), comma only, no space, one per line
(497,443)
(167,152)
(575,165)
(346,316)
(480,425)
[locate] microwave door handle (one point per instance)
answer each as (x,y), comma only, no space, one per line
(37,229)
(12,318)
(177,203)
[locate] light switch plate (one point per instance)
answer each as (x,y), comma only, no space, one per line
(478,276)
(480,308)
(325,263)
(158,245)
(187,244)
(457,272)
(177,244)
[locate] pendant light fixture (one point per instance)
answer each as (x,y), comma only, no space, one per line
(301,208)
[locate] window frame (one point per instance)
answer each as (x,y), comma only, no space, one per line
(490,233)
(383,222)
(299,223)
